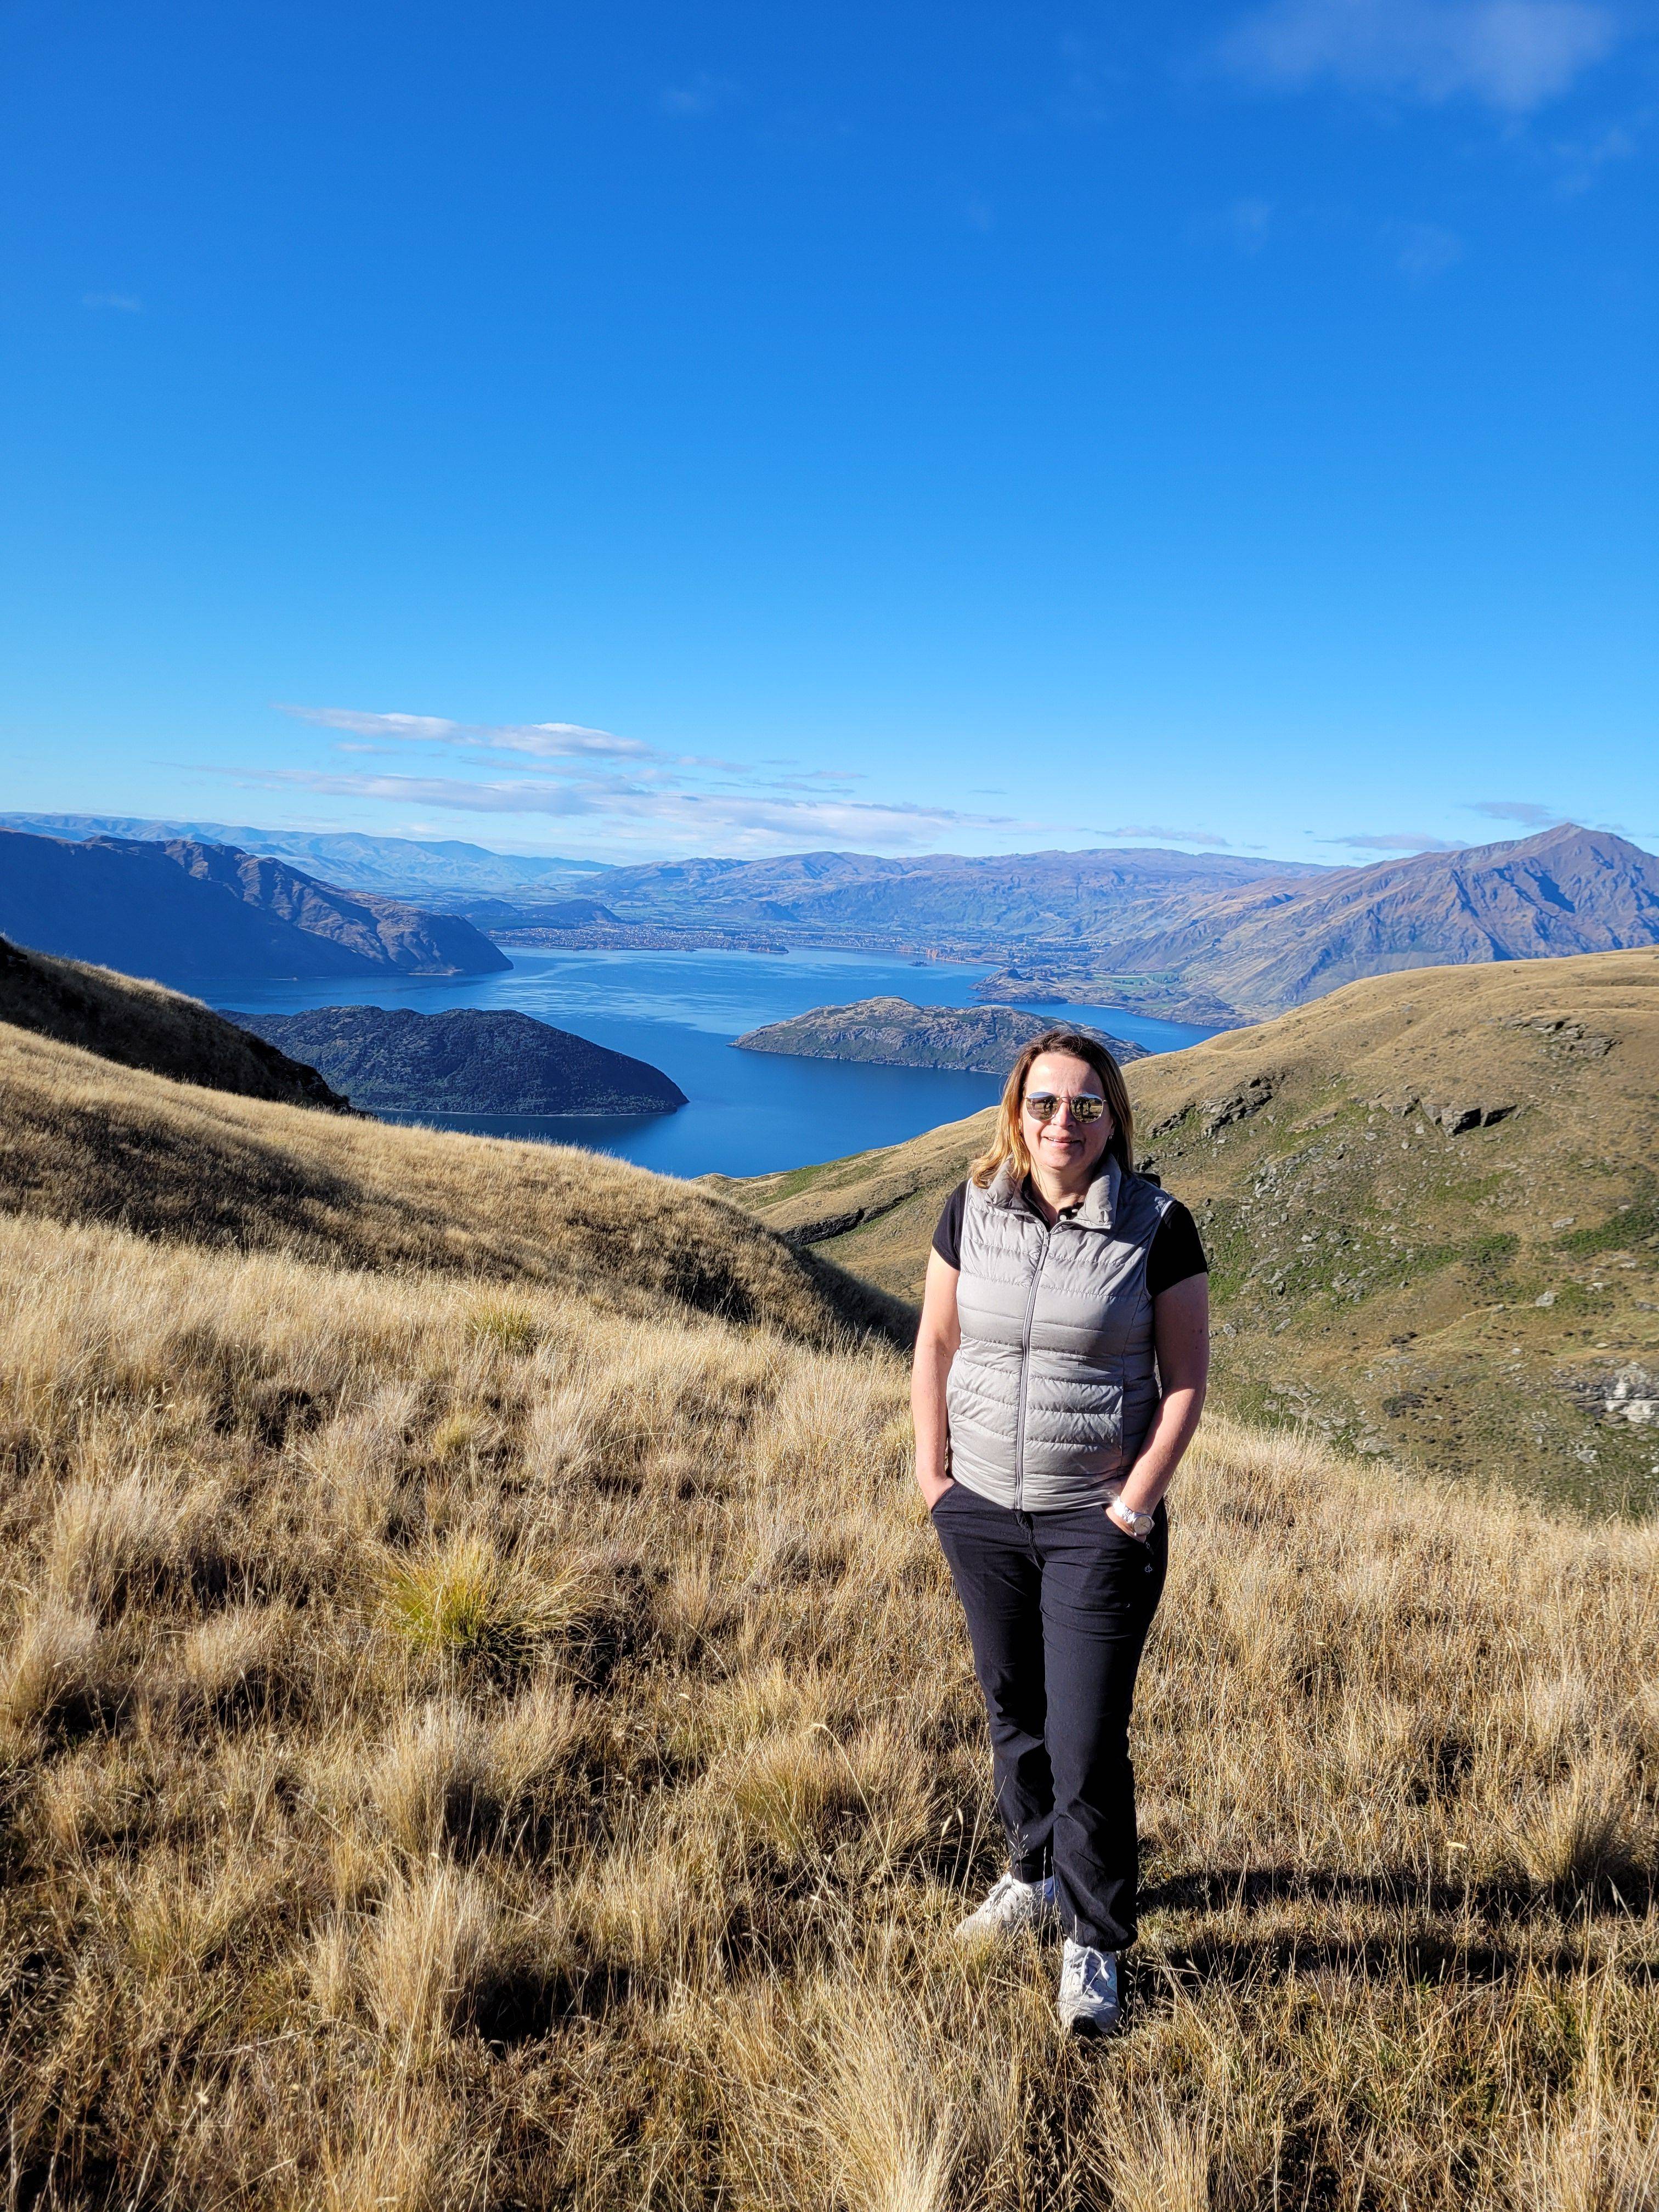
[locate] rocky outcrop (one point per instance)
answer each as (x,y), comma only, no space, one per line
(1560,1035)
(1239,1105)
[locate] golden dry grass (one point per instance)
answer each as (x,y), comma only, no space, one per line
(86,1140)
(145,1026)
(456,1754)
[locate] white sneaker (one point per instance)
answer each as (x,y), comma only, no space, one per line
(1088,1989)
(1013,1905)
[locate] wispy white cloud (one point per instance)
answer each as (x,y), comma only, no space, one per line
(1525,811)
(1424,249)
(1248,222)
(1514,55)
(547,740)
(119,303)
(1245,225)
(1394,840)
(623,786)
(1580,161)
(1163,832)
(700,95)
(1094,82)
(690,818)
(377,732)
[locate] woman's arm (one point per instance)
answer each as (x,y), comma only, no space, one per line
(1181,1324)
(937,1338)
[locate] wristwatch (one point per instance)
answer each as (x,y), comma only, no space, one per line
(1139,1525)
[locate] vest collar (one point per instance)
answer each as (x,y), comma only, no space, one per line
(1100,1203)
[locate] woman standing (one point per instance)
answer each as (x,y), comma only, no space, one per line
(1060,1374)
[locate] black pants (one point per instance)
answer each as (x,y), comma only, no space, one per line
(1059,1605)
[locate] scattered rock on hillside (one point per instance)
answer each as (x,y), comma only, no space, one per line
(1628,1393)
(1634,1397)
(1239,1105)
(1455,1120)
(1561,1034)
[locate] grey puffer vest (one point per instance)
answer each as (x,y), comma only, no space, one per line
(1055,1383)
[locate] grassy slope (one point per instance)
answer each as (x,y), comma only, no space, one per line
(86,1139)
(456,1753)
(143,1025)
(1374,1274)
(474,1732)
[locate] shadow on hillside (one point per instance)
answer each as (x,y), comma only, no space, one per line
(1470,1945)
(180,1167)
(1428,1957)
(1253,1888)
(199,1184)
(861,1306)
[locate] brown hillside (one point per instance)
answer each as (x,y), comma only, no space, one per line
(88,1140)
(1472,1298)
(143,1025)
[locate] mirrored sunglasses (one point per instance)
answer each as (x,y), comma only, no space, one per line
(1043,1106)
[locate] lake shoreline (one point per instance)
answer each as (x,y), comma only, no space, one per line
(681,1010)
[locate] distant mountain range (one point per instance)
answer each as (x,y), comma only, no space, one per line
(939,897)
(185,912)
(1206,937)
(432,871)
(1262,947)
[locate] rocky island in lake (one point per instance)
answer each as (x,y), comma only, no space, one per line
(466,1061)
(892,1033)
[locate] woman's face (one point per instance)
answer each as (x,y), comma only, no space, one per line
(1067,1145)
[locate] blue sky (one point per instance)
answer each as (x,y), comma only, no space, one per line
(643,429)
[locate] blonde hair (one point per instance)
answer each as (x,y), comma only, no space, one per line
(1008,1142)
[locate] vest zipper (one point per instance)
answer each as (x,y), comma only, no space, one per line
(1025,1369)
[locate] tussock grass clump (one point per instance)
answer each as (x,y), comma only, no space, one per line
(430,1950)
(442,1765)
(50,1661)
(458,1598)
(510,1326)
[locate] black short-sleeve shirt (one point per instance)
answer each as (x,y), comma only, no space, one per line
(1177,1252)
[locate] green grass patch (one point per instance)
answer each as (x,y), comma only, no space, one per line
(459,1598)
(509,1327)
(1630,1225)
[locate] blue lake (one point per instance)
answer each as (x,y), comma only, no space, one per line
(750,1112)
